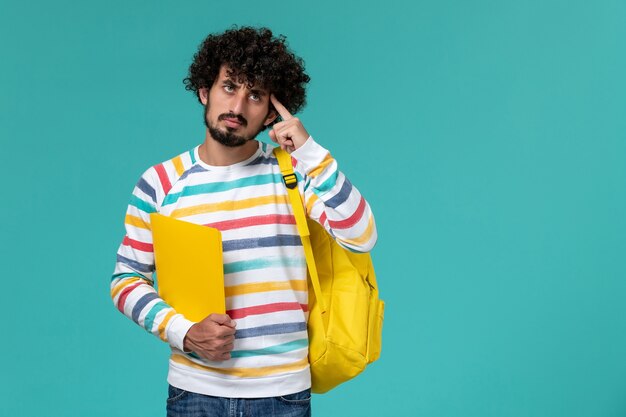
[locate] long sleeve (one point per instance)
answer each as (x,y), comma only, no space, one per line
(132,285)
(332,200)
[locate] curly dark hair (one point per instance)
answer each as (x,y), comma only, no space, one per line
(255,57)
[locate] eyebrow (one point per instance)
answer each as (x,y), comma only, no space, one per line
(259,92)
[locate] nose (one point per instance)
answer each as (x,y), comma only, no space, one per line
(238,102)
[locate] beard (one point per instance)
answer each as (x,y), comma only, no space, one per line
(228,137)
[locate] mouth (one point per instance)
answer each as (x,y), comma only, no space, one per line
(232,123)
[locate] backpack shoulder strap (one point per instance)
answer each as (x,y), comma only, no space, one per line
(291,182)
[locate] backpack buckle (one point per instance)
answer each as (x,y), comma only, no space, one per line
(290,180)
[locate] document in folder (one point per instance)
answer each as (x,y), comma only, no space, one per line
(189,266)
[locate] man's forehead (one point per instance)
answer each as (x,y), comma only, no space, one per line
(226,73)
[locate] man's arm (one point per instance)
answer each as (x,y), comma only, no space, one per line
(132,285)
(333,201)
(330,198)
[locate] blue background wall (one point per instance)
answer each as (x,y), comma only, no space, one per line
(488,136)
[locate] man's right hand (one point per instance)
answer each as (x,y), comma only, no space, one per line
(212,338)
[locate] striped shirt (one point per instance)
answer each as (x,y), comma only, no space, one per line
(265,274)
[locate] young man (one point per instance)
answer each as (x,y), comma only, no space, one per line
(252,360)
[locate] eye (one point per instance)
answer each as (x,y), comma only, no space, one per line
(255,97)
(229,88)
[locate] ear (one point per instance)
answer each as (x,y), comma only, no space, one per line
(203,94)
(271,116)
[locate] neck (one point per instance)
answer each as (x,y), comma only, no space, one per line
(214,153)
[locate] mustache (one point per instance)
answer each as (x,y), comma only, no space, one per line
(239,118)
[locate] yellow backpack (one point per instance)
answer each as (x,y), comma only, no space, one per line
(345,313)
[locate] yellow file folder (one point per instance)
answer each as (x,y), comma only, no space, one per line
(189,266)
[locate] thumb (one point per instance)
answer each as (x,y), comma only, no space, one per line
(272,135)
(223,320)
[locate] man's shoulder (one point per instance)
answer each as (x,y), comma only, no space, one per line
(168,172)
(267,150)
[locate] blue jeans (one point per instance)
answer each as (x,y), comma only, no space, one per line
(181,403)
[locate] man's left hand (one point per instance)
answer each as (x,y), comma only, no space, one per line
(289,134)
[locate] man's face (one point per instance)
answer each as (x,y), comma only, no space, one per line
(234,113)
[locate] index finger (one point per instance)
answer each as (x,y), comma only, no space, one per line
(282,110)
